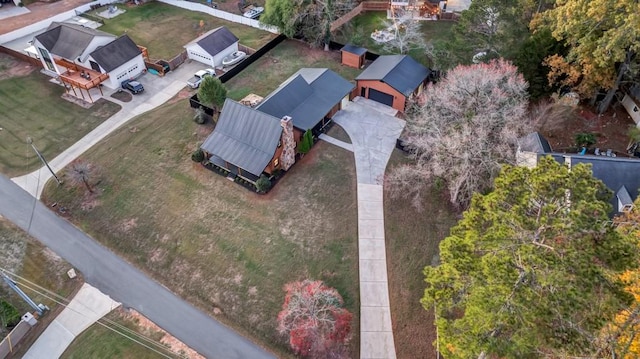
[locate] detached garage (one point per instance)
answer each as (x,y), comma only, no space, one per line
(212,47)
(392,79)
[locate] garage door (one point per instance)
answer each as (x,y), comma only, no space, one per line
(381,97)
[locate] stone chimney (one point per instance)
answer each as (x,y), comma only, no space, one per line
(288,156)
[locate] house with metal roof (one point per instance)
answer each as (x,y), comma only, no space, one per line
(212,47)
(311,96)
(248,143)
(620,174)
(392,80)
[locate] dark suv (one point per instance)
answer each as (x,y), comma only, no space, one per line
(134,86)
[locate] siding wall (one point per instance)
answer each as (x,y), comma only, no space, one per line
(398,98)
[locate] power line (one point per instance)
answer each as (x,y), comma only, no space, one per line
(59,300)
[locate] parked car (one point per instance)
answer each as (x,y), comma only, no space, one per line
(197,78)
(134,86)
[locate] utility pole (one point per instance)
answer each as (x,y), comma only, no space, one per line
(30,141)
(40,308)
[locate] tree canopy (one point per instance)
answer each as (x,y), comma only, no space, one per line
(308,19)
(599,34)
(212,91)
(532,268)
(464,131)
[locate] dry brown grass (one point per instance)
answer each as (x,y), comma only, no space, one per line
(412,243)
(223,248)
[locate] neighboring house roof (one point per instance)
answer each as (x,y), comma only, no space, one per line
(244,137)
(307,96)
(623,196)
(401,72)
(116,53)
(67,40)
(215,40)
(354,49)
(534,142)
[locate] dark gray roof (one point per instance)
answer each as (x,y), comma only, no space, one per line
(307,96)
(354,49)
(116,53)
(401,72)
(68,40)
(534,142)
(244,137)
(216,40)
(615,172)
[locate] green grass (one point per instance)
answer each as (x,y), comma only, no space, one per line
(101,342)
(212,241)
(412,243)
(359,30)
(31,106)
(267,73)
(164,29)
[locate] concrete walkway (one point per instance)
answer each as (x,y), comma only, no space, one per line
(373,131)
(158,90)
(88,305)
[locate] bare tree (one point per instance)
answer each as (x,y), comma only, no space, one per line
(79,173)
(465,130)
(406,35)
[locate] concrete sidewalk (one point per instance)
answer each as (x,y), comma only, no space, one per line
(373,131)
(158,90)
(88,305)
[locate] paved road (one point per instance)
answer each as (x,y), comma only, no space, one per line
(123,282)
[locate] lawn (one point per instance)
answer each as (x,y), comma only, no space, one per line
(412,243)
(164,29)
(31,106)
(223,248)
(359,30)
(267,73)
(99,341)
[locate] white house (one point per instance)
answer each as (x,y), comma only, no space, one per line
(70,42)
(69,50)
(213,46)
(631,102)
(121,59)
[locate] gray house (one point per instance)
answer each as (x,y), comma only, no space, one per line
(311,96)
(620,175)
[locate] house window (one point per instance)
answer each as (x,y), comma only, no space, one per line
(46,58)
(635,108)
(94,66)
(121,75)
(276,162)
(132,69)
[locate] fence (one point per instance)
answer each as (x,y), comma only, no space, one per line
(95,18)
(375,5)
(347,17)
(251,59)
(8,343)
(178,60)
(20,56)
(27,30)
(222,15)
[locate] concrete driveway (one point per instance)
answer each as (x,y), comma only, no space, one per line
(373,130)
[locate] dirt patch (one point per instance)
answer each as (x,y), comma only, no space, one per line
(611,128)
(174,344)
(184,93)
(12,67)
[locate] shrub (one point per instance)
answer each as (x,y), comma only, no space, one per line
(585,139)
(200,116)
(197,155)
(9,315)
(263,184)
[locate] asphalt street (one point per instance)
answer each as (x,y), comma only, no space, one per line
(120,280)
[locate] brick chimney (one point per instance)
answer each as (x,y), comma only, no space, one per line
(288,156)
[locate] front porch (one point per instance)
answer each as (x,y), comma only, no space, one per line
(80,78)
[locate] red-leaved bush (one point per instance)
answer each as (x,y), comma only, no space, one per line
(314,320)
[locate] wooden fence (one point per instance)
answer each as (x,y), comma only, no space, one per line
(178,60)
(8,344)
(21,56)
(375,5)
(347,17)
